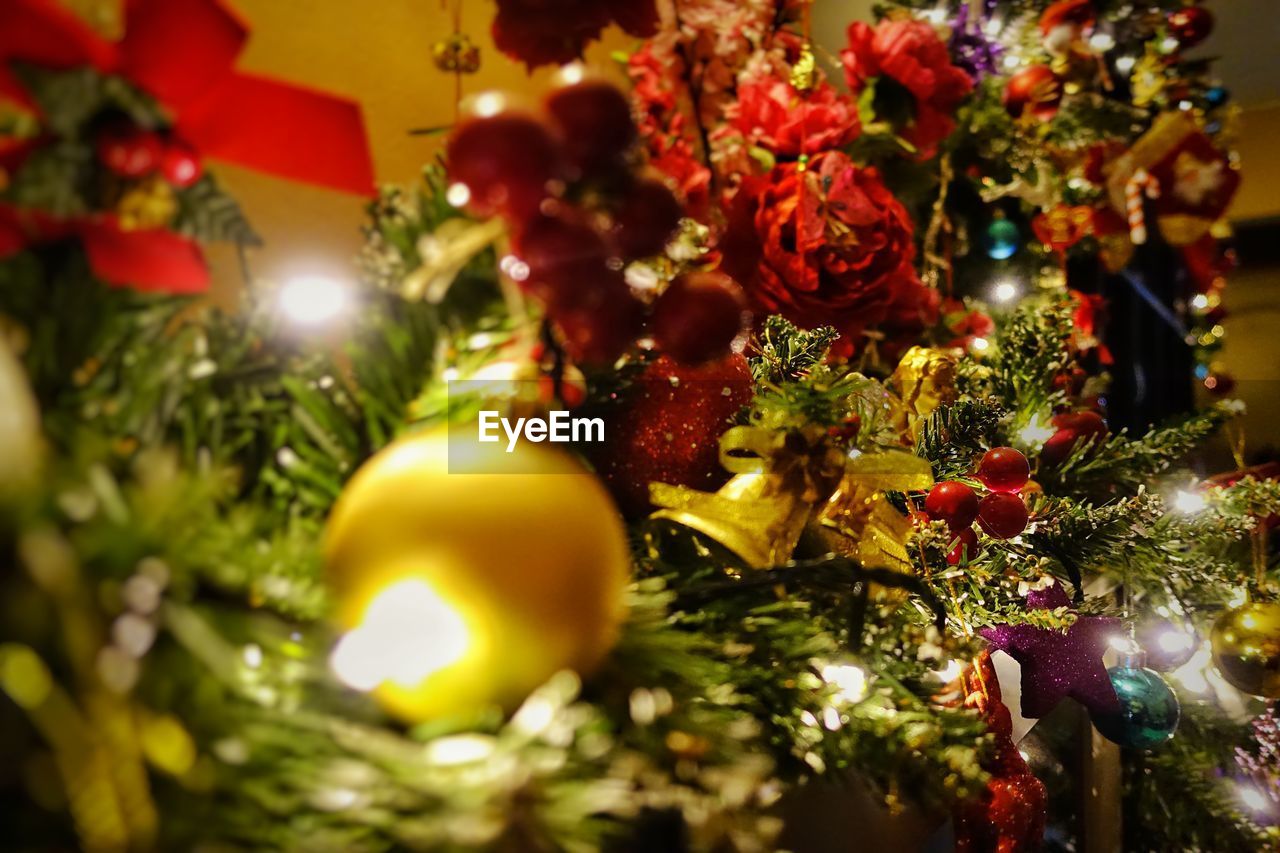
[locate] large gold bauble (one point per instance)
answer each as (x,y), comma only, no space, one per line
(1246,648)
(467,590)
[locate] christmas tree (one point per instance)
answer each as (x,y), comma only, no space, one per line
(855,517)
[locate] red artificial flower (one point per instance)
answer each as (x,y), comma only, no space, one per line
(827,245)
(965,323)
(547,32)
(770,113)
(911,53)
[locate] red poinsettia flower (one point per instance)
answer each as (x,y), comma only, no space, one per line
(827,245)
(546,32)
(911,53)
(770,113)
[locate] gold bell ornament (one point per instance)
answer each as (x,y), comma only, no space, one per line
(798,485)
(1246,648)
(466,576)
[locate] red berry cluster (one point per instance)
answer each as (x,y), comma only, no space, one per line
(566,185)
(131,151)
(1001,513)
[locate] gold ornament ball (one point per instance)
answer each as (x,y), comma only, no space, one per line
(466,590)
(1246,648)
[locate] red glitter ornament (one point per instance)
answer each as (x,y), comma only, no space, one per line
(952,502)
(594,120)
(1191,25)
(645,220)
(698,318)
(1002,515)
(667,429)
(1010,815)
(1004,469)
(505,161)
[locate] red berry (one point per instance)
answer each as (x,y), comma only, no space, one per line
(599,328)
(1002,515)
(565,257)
(1072,427)
(964,546)
(594,120)
(699,316)
(953,502)
(128,150)
(180,164)
(645,220)
(505,161)
(1191,25)
(1004,469)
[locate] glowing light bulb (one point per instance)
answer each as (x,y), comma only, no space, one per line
(1125,64)
(458,195)
(1174,641)
(572,73)
(850,681)
(313,300)
(1189,502)
(1254,800)
(1199,302)
(980,344)
(488,104)
(1036,433)
(1102,42)
(408,633)
(950,672)
(1004,291)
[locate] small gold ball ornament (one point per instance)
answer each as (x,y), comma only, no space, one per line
(1246,648)
(466,590)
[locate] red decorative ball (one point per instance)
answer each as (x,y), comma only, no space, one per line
(645,220)
(667,429)
(1037,90)
(594,120)
(600,321)
(180,164)
(698,318)
(1191,25)
(1072,428)
(506,162)
(566,259)
(1004,469)
(128,150)
(953,502)
(1002,515)
(964,547)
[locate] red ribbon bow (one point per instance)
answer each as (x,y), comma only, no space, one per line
(181,52)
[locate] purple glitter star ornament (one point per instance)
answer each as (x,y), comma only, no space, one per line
(1054,664)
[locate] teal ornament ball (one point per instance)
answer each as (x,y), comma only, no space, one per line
(1002,239)
(1148,712)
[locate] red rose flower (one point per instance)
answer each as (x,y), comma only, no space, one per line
(911,53)
(828,245)
(546,32)
(772,114)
